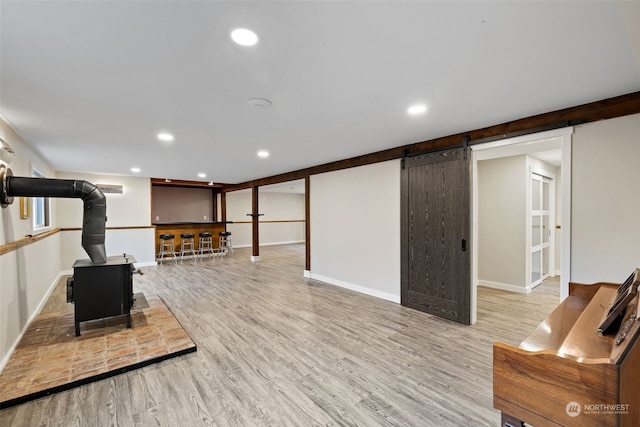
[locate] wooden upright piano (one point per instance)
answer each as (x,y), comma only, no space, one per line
(580,367)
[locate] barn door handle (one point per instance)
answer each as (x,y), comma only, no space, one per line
(464,245)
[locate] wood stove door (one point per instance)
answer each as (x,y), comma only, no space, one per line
(98,292)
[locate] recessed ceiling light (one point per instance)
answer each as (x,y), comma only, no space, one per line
(244,37)
(202,175)
(136,170)
(417,109)
(163,136)
(263,153)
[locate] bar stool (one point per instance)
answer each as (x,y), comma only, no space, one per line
(166,247)
(205,244)
(186,245)
(224,242)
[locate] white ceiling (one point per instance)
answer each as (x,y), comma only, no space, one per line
(552,157)
(90,84)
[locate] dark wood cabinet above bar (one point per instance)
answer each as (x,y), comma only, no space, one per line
(175,204)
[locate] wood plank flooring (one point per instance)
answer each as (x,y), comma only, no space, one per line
(279,350)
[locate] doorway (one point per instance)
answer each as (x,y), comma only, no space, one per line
(282,215)
(537,246)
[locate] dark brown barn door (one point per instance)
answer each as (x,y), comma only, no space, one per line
(435,234)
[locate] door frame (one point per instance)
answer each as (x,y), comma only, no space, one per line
(548,140)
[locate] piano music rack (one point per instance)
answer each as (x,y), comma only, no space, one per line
(626,292)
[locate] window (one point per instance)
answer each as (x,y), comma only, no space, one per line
(41,207)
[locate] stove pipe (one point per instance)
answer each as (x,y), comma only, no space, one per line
(95,204)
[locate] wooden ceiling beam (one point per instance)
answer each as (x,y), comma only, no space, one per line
(183,183)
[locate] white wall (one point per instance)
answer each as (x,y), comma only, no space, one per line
(15,228)
(605,242)
(502,253)
(28,274)
(130,209)
(138,242)
(238,206)
(281,207)
(275,207)
(355,229)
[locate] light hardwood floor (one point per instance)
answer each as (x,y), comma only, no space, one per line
(279,350)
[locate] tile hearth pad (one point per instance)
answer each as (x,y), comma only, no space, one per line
(50,358)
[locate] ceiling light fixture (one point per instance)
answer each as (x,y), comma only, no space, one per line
(202,175)
(136,170)
(244,37)
(414,110)
(263,154)
(163,136)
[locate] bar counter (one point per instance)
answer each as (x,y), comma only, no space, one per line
(177,228)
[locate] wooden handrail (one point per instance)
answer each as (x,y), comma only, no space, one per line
(27,240)
(128,227)
(272,221)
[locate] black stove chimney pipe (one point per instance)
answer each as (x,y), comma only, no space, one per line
(95,205)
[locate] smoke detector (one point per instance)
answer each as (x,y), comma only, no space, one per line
(7,153)
(259,102)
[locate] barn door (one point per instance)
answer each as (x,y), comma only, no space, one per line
(435,234)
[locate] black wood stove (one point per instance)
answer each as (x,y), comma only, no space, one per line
(102,290)
(101,286)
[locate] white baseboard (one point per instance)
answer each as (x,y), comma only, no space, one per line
(504,287)
(145,264)
(290,242)
(367,291)
(269,244)
(37,311)
(306,274)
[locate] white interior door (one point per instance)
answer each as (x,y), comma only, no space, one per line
(541,237)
